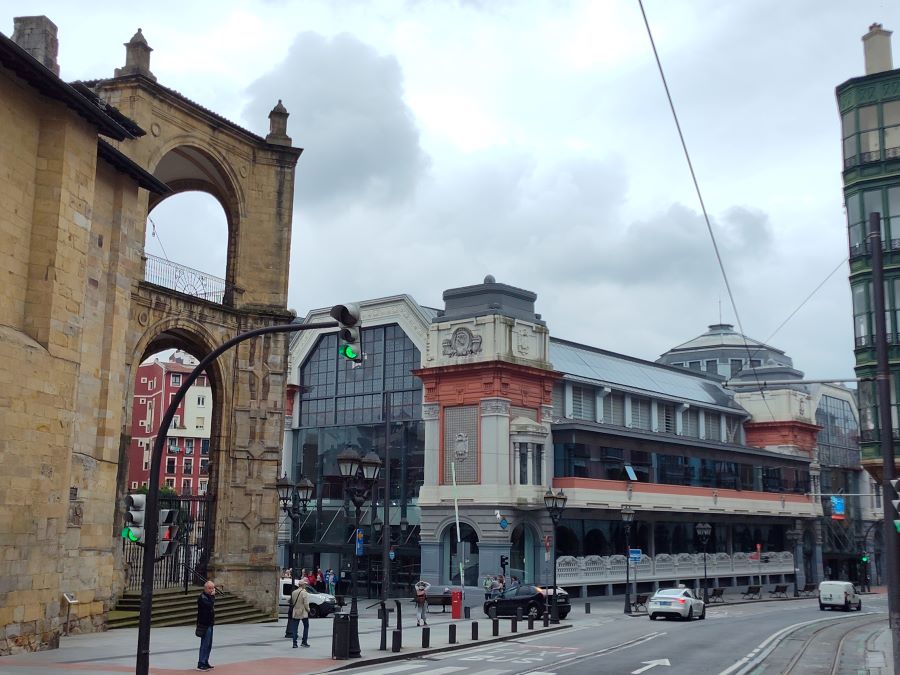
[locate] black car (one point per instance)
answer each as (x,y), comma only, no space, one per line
(532,600)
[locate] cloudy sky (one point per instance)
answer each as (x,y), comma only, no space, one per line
(531,140)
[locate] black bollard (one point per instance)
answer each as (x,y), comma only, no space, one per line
(383,615)
(514,625)
(396,641)
(492,611)
(399,625)
(474,630)
(467,612)
(530,622)
(546,619)
(426,637)
(587,608)
(452,635)
(495,627)
(519,613)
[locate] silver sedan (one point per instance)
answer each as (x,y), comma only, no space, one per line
(676,602)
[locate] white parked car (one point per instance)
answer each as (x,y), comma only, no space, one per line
(677,602)
(320,604)
(841,594)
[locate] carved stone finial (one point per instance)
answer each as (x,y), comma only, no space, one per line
(137,57)
(278,125)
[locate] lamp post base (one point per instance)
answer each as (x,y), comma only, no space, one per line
(353,651)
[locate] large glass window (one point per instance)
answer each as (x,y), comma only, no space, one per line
(891,114)
(861,315)
(869,136)
(848,129)
(838,439)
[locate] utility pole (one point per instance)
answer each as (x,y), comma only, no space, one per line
(886,435)
(386,530)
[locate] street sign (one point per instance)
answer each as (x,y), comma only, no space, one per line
(504,523)
(634,555)
(359,542)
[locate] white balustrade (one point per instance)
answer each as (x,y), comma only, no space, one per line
(595,569)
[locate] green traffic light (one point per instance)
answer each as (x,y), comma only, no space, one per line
(348,352)
(129,534)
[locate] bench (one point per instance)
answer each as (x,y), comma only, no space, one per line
(809,590)
(640,601)
(752,592)
(442,601)
(717,595)
(780,591)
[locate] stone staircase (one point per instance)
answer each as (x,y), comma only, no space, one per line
(171,607)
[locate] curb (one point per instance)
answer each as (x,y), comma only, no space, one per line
(400,656)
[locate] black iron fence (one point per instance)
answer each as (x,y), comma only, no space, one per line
(187,565)
(187,280)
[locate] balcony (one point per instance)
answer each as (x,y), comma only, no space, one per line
(186,280)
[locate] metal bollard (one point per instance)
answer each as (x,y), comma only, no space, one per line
(426,637)
(546,619)
(495,627)
(467,612)
(474,630)
(396,641)
(587,608)
(452,635)
(514,625)
(530,622)
(383,615)
(492,612)
(519,614)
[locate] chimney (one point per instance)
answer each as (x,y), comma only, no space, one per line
(877,48)
(278,125)
(137,57)
(37,36)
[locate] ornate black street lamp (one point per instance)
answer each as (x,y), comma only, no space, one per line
(555,505)
(627,517)
(294,499)
(703,531)
(359,476)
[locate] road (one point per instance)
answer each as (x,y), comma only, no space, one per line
(725,643)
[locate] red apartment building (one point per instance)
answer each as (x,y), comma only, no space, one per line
(185,465)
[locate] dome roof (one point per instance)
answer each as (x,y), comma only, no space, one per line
(721,335)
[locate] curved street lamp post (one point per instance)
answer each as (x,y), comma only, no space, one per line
(703,531)
(359,476)
(627,517)
(555,504)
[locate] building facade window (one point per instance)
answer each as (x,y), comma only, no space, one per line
(640,413)
(172,444)
(200,423)
(170,483)
(666,414)
(838,438)
(201,401)
(204,446)
(538,460)
(189,446)
(185,486)
(170,465)
(188,466)
(176,379)
(860,293)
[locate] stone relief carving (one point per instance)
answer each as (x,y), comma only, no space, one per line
(494,407)
(523,341)
(462,342)
(461,447)
(430,411)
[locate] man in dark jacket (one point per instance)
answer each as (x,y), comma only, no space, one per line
(206,619)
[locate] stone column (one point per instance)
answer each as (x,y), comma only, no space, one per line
(432,450)
(818,571)
(494,446)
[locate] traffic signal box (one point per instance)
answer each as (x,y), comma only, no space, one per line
(348,318)
(168,532)
(134,518)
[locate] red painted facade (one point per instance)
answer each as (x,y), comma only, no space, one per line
(801,435)
(184,465)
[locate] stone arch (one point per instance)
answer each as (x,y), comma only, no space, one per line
(186,165)
(525,553)
(471,535)
(567,542)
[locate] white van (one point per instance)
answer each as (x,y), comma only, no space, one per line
(320,604)
(839,594)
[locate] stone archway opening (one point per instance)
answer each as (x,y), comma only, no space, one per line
(566,542)
(191,443)
(451,555)
(524,553)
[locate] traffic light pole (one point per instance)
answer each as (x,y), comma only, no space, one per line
(151,524)
(886,436)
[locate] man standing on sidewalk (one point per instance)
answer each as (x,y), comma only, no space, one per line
(300,612)
(206,619)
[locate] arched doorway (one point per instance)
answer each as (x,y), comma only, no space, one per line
(566,542)
(523,553)
(450,559)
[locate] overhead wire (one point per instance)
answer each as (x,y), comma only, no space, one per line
(155,235)
(712,236)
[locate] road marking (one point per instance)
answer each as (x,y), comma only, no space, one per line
(600,652)
(399,668)
(651,664)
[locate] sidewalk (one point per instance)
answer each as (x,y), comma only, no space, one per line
(260,648)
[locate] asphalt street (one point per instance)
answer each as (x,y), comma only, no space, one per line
(609,643)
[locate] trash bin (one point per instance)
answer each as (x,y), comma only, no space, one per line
(456,604)
(340,636)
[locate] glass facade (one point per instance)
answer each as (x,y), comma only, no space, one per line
(343,405)
(586,460)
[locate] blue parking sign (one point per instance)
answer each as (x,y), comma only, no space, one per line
(359,542)
(634,555)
